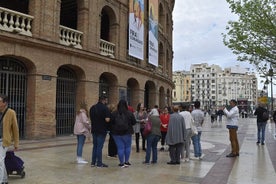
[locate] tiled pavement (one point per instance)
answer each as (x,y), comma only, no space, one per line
(53,161)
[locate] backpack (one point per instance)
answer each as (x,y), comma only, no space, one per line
(121,124)
(265,115)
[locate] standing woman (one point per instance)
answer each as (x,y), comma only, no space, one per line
(153,137)
(122,121)
(82,129)
(140,116)
(164,117)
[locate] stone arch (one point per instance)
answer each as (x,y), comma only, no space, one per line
(108,24)
(150,94)
(133,94)
(108,86)
(162,97)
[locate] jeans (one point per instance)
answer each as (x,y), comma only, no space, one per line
(123,143)
(261,130)
(197,144)
(3,172)
(152,141)
(81,141)
(98,142)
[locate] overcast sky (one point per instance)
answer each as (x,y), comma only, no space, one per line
(197,38)
(197,35)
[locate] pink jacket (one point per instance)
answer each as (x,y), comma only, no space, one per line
(82,124)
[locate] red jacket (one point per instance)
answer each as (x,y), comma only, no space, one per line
(164,121)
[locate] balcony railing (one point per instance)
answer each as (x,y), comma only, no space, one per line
(70,37)
(16,22)
(107,48)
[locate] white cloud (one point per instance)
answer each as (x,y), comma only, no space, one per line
(198,25)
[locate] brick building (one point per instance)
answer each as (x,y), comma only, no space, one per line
(55,54)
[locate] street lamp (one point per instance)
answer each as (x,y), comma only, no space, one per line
(270,74)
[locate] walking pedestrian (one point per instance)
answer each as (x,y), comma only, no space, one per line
(9,134)
(100,117)
(262,117)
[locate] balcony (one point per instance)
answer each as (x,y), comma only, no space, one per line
(15,22)
(70,37)
(107,48)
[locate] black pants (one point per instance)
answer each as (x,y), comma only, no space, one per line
(175,151)
(143,139)
(163,138)
(112,148)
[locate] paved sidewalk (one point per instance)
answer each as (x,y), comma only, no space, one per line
(53,161)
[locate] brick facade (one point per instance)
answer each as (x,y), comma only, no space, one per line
(43,56)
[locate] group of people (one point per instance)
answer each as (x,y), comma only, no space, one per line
(175,128)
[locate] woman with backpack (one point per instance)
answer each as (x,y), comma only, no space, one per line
(122,121)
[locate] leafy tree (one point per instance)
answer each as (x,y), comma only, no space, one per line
(253,36)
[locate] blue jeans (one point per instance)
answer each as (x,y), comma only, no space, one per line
(81,141)
(123,143)
(197,145)
(98,142)
(152,141)
(261,130)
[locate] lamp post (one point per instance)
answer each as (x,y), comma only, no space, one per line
(270,74)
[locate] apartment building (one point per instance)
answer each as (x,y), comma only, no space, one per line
(56,54)
(214,86)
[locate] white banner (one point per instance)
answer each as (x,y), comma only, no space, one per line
(136,29)
(153,32)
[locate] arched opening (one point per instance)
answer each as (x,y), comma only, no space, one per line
(65,100)
(108,87)
(162,97)
(13,82)
(150,94)
(132,92)
(16,5)
(69,13)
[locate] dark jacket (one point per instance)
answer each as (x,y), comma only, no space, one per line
(130,121)
(259,112)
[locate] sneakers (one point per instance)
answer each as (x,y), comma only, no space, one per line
(101,166)
(127,163)
(81,161)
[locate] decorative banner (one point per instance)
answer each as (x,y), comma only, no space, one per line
(136,29)
(153,32)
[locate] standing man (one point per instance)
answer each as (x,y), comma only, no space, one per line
(100,116)
(176,136)
(198,116)
(8,133)
(261,122)
(232,124)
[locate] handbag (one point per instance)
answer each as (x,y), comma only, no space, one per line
(147,128)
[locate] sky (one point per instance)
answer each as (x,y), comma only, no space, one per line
(197,36)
